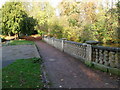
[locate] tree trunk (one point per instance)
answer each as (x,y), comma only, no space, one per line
(16,36)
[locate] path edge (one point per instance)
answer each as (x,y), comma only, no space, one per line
(44,74)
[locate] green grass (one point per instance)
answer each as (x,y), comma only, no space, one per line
(21,42)
(23,73)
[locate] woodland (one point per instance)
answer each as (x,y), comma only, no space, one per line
(76,21)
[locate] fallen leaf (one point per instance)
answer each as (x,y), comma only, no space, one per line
(60,86)
(106,83)
(62,80)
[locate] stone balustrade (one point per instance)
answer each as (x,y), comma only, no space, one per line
(108,57)
(75,49)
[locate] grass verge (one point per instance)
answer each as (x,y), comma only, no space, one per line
(23,73)
(21,42)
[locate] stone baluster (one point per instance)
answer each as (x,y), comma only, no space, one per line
(68,47)
(97,55)
(117,60)
(101,56)
(93,55)
(77,50)
(83,51)
(73,48)
(106,58)
(80,50)
(112,59)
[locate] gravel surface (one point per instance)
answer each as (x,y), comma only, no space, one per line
(11,53)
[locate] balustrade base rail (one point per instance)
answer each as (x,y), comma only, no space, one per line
(106,59)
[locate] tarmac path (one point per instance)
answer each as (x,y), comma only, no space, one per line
(64,71)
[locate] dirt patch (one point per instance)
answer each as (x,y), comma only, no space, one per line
(32,37)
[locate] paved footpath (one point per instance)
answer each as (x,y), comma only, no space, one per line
(67,72)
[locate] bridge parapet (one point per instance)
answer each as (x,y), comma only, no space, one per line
(103,58)
(108,56)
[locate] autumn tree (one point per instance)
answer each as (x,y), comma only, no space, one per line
(42,12)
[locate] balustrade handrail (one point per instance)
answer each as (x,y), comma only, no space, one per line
(114,49)
(84,44)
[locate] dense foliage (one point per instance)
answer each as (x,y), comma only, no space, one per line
(89,20)
(76,21)
(79,21)
(15,19)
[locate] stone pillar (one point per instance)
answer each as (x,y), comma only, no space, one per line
(63,44)
(90,49)
(88,52)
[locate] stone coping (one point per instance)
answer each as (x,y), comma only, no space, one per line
(114,49)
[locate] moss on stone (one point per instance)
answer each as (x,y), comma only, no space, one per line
(88,63)
(114,71)
(100,67)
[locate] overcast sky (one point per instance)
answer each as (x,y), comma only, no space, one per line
(54,3)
